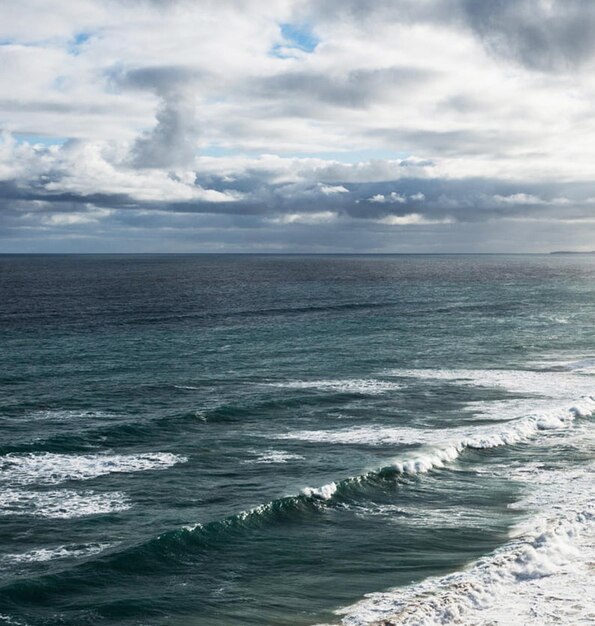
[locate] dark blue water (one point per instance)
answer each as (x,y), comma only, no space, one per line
(235,440)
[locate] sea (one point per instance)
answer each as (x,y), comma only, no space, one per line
(292,440)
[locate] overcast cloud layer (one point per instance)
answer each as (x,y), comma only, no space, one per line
(297,125)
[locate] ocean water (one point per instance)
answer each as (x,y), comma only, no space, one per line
(296,440)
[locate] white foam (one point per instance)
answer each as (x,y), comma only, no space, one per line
(275,456)
(514,432)
(325,492)
(366,435)
(56,553)
(61,504)
(6,619)
(508,410)
(540,577)
(444,446)
(543,575)
(364,386)
(48,469)
(63,415)
(581,366)
(543,383)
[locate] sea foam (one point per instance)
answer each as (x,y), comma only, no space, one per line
(48,468)
(454,441)
(541,576)
(366,386)
(56,553)
(543,383)
(274,456)
(61,504)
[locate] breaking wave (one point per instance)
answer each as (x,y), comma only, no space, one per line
(541,576)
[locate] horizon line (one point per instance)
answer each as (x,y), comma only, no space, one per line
(458,253)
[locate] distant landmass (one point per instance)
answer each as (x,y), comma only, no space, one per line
(572,252)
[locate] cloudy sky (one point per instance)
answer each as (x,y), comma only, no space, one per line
(297,125)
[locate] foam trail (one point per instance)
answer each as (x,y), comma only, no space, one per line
(275,456)
(544,383)
(59,552)
(366,435)
(65,415)
(363,386)
(48,469)
(61,504)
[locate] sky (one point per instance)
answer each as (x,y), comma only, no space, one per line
(320,126)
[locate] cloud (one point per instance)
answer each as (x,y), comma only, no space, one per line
(353,89)
(296,124)
(545,35)
(173,141)
(317,217)
(330,190)
(412,219)
(393,197)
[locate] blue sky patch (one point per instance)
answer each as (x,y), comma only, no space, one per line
(77,41)
(296,37)
(39,139)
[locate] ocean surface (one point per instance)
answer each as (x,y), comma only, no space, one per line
(296,440)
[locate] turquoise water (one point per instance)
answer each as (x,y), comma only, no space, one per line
(234,440)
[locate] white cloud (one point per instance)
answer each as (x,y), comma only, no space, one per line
(390,198)
(320,217)
(518,199)
(412,219)
(331,190)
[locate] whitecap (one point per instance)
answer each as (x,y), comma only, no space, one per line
(544,383)
(326,492)
(275,456)
(47,468)
(61,504)
(56,553)
(364,386)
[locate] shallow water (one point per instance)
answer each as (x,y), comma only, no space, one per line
(234,440)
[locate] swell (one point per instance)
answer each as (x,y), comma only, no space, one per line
(132,317)
(183,545)
(135,432)
(170,549)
